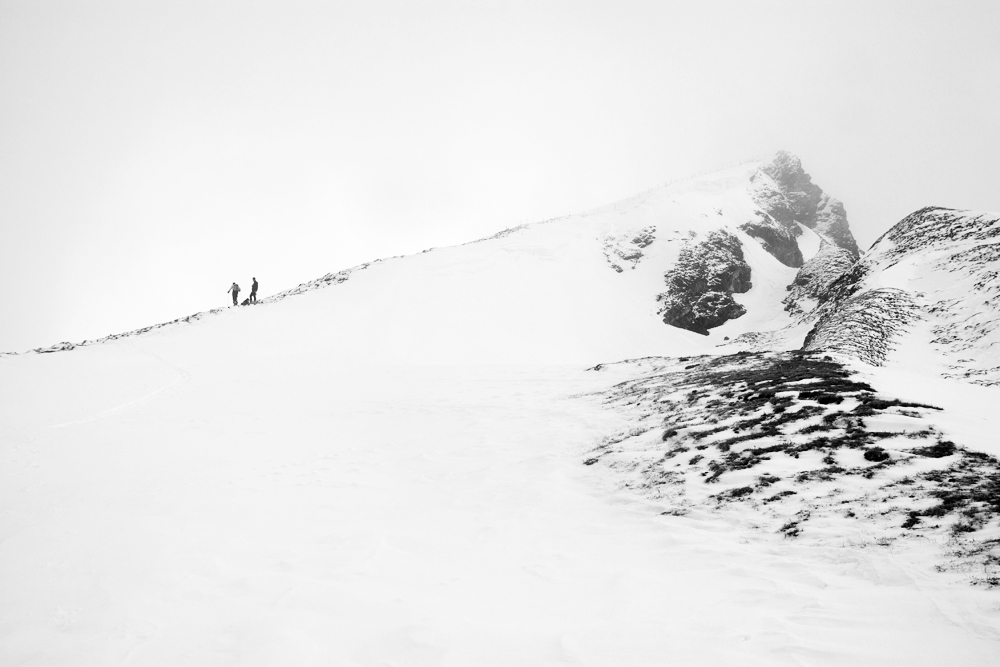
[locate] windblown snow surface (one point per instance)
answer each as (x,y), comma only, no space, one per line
(499,454)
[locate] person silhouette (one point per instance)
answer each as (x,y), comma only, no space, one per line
(253,291)
(235,289)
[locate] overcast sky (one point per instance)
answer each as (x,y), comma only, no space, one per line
(151,153)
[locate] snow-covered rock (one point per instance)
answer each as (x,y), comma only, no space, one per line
(791,195)
(778,239)
(627,248)
(812,281)
(701,284)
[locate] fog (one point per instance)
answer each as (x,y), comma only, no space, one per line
(153,153)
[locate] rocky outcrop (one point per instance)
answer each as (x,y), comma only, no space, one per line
(813,280)
(778,239)
(801,193)
(627,248)
(831,222)
(700,287)
(786,193)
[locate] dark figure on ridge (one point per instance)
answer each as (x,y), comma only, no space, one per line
(235,289)
(253,291)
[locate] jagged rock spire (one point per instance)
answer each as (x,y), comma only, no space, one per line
(805,202)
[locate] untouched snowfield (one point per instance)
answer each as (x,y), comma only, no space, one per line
(389,471)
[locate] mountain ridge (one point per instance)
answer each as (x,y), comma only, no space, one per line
(653,228)
(689,239)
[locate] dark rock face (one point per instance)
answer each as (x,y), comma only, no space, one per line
(777,239)
(772,202)
(802,194)
(700,287)
(831,221)
(797,199)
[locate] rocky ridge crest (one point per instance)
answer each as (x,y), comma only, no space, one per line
(814,279)
(951,259)
(699,289)
(788,195)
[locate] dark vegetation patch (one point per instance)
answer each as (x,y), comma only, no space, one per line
(876,454)
(872,405)
(937,451)
(863,325)
(733,494)
(807,414)
(790,529)
(822,397)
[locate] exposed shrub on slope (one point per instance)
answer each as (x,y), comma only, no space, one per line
(794,443)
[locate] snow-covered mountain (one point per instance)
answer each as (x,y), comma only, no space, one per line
(712,256)
(691,427)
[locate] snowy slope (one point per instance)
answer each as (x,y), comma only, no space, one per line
(547,292)
(172,502)
(383,466)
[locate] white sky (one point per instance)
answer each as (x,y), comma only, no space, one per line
(153,153)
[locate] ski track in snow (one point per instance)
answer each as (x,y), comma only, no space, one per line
(182,376)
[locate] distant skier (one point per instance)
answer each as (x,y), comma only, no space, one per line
(253,291)
(235,289)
